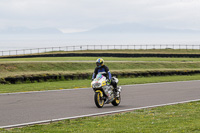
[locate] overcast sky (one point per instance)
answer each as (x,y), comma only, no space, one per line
(79,15)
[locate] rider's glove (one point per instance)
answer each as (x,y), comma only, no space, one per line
(108,80)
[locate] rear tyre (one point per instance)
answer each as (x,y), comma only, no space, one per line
(99,101)
(117,101)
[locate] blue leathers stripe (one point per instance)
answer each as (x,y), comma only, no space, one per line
(110,76)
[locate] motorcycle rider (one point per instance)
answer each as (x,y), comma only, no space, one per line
(103,68)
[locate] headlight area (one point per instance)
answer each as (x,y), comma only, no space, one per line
(96,85)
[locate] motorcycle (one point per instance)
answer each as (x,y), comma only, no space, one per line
(104,92)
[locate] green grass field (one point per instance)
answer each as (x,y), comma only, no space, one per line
(8,60)
(16,68)
(176,118)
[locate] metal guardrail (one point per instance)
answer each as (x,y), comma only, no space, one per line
(97,47)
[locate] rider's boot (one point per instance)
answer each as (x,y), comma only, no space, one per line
(117,90)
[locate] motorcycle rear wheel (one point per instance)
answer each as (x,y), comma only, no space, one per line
(117,101)
(99,101)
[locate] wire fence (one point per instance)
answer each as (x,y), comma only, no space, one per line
(97,47)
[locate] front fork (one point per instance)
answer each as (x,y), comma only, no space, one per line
(101,93)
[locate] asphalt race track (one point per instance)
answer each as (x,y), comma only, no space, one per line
(35,107)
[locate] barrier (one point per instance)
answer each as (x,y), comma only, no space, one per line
(97,47)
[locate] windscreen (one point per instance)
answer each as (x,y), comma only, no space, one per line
(99,76)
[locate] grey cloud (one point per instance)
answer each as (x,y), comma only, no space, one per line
(90,13)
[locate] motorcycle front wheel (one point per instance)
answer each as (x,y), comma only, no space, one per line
(99,101)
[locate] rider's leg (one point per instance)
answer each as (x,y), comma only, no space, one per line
(114,84)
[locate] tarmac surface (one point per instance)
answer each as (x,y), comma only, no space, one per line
(37,107)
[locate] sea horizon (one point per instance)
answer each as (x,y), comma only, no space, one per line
(19,42)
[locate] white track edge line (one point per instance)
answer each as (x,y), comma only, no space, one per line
(90,88)
(96,114)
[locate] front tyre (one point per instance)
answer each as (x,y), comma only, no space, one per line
(99,101)
(117,101)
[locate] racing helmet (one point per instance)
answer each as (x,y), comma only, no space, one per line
(99,62)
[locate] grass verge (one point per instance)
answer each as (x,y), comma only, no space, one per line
(94,59)
(55,65)
(13,69)
(11,88)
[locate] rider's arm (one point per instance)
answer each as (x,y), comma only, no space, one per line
(94,74)
(108,73)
